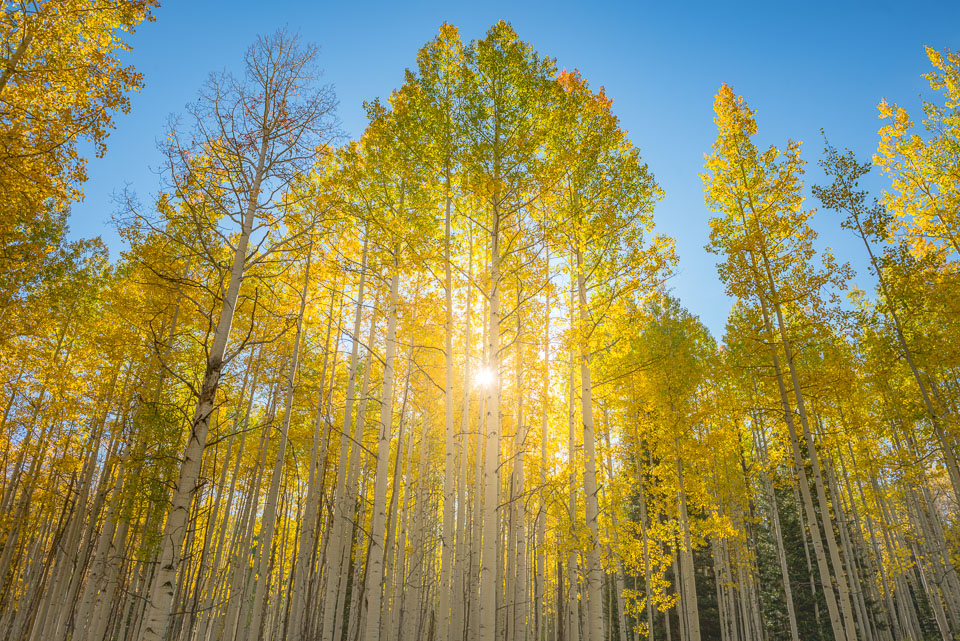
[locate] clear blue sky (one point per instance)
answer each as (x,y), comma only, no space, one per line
(802,65)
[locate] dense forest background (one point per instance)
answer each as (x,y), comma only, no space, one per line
(432,383)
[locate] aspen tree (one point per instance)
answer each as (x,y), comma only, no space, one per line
(269,518)
(761,206)
(335,545)
(389,188)
(923,168)
(693,517)
(608,197)
(440,70)
(870,224)
(63,79)
(267,106)
(506,90)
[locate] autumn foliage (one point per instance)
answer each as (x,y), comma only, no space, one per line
(432,383)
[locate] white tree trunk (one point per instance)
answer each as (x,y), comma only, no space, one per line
(592,505)
(573,603)
(370,617)
(489,585)
(157,614)
(450,458)
(335,543)
(269,518)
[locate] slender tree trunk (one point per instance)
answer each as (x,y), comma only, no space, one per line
(241,567)
(308,531)
(687,578)
(335,544)
(447,540)
(157,615)
(592,505)
(269,518)
(620,582)
(947,444)
(491,471)
(826,577)
(761,443)
(374,575)
(839,574)
(478,497)
(519,532)
(387,630)
(463,586)
(540,594)
(573,603)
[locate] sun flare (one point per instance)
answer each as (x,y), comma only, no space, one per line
(484,377)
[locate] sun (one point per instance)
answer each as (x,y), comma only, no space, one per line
(484,377)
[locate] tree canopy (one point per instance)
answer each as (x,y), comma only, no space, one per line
(433,383)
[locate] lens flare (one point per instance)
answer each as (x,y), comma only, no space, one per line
(484,377)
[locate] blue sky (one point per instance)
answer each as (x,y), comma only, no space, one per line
(802,66)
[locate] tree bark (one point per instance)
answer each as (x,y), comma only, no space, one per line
(370,616)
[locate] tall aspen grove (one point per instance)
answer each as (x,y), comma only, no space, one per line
(433,383)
